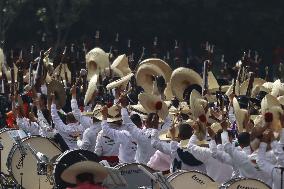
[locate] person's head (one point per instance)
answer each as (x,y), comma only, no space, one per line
(136,119)
(244,139)
(85,178)
(70,118)
(189,89)
(185,131)
(218,138)
(152,120)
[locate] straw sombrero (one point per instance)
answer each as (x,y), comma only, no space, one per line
(64,68)
(57,88)
(240,114)
(70,173)
(181,79)
(100,58)
(268,85)
(168,92)
(270,104)
(92,87)
(166,69)
(277,89)
(121,63)
(113,114)
(230,89)
(139,109)
(281,100)
(144,76)
(154,104)
(256,82)
(120,82)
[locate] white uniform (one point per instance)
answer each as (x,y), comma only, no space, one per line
(143,137)
(31,128)
(68,132)
(44,128)
(220,172)
(92,129)
(128,146)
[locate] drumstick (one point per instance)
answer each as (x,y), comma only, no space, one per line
(148,173)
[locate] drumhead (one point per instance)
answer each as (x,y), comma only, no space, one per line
(25,171)
(244,183)
(7,142)
(68,158)
(134,176)
(191,179)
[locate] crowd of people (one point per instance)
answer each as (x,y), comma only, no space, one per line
(167,120)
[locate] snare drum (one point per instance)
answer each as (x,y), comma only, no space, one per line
(134,176)
(24,169)
(244,183)
(66,159)
(7,142)
(191,179)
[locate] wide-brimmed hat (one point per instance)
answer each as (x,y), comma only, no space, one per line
(92,87)
(154,104)
(281,100)
(138,108)
(113,114)
(166,69)
(277,89)
(197,104)
(64,68)
(270,104)
(121,63)
(120,82)
(231,88)
(256,82)
(70,173)
(144,76)
(181,79)
(57,88)
(168,92)
(240,114)
(100,58)
(268,85)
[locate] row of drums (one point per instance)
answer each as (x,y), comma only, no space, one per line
(23,171)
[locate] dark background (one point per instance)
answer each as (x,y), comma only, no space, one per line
(233,26)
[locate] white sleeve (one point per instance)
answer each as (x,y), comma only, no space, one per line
(118,136)
(238,157)
(85,143)
(85,121)
(263,164)
(200,153)
(220,155)
(43,124)
(23,123)
(167,124)
(125,117)
(161,146)
(58,123)
(282,138)
(278,152)
(192,141)
(99,144)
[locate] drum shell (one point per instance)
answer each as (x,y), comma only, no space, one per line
(31,180)
(66,159)
(244,183)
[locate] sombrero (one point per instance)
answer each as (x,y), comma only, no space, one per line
(256,82)
(122,81)
(154,104)
(270,104)
(240,114)
(57,88)
(231,88)
(168,92)
(139,109)
(92,87)
(100,58)
(144,76)
(113,114)
(121,63)
(166,69)
(277,89)
(70,173)
(64,68)
(268,85)
(181,79)
(281,100)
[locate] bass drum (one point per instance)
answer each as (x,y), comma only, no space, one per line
(7,142)
(134,176)
(66,159)
(191,179)
(244,183)
(23,169)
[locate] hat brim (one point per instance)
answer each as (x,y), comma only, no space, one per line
(120,82)
(70,173)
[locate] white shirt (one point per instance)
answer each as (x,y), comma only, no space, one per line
(68,132)
(31,128)
(85,121)
(44,128)
(88,141)
(128,146)
(220,172)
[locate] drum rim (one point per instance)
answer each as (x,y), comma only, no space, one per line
(13,149)
(181,172)
(227,183)
(7,129)
(126,164)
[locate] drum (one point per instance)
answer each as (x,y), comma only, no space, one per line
(23,169)
(244,183)
(191,179)
(68,158)
(7,142)
(134,176)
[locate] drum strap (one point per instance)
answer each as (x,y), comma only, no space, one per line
(186,158)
